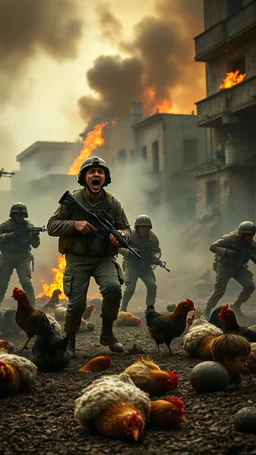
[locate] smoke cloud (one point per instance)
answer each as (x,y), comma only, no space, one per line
(158,69)
(29,28)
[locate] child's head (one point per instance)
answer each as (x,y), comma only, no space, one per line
(232,351)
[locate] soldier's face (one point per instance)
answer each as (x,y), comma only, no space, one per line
(248,238)
(143,230)
(95,179)
(19,217)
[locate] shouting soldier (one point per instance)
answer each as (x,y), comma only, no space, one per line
(83,261)
(233,252)
(142,237)
(16,253)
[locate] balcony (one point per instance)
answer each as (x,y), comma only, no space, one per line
(211,110)
(226,34)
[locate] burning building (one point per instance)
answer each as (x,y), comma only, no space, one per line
(225,184)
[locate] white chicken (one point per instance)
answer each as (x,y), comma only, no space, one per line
(116,407)
(16,373)
(56,327)
(197,340)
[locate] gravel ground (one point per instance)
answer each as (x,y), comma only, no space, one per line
(42,421)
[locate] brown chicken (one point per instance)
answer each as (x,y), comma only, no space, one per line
(230,325)
(115,406)
(16,373)
(54,300)
(165,327)
(6,346)
(167,414)
(97,364)
(150,378)
(87,313)
(127,319)
(27,317)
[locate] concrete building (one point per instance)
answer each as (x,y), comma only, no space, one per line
(226,186)
(170,147)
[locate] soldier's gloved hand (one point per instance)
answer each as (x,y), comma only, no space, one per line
(231,254)
(11,236)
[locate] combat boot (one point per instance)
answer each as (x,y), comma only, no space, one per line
(72,344)
(237,309)
(107,338)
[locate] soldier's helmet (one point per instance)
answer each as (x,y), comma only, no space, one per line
(143,220)
(19,207)
(93,161)
(246,227)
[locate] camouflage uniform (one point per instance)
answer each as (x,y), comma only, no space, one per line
(83,262)
(16,256)
(135,269)
(232,267)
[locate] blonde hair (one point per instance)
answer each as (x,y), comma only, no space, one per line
(230,346)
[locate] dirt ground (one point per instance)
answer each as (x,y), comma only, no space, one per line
(42,421)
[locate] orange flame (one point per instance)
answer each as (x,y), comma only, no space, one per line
(232,79)
(57,280)
(92,141)
(153,105)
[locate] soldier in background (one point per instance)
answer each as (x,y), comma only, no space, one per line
(76,237)
(233,252)
(142,235)
(17,255)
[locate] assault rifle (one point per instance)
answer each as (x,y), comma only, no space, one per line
(23,230)
(245,254)
(148,252)
(102,221)
(4,173)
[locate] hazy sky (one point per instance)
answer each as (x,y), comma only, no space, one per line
(47,47)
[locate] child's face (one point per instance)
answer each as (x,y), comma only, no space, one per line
(238,365)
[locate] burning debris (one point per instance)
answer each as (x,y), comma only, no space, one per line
(57,282)
(231,79)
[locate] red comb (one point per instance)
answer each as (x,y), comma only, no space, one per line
(176,401)
(190,301)
(222,311)
(2,364)
(135,417)
(174,378)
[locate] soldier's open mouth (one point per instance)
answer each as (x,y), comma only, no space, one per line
(95,184)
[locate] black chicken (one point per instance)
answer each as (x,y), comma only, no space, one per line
(50,353)
(214,318)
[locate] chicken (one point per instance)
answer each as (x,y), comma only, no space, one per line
(214,318)
(56,327)
(86,326)
(127,319)
(27,317)
(54,300)
(165,327)
(251,361)
(50,353)
(150,378)
(6,346)
(115,406)
(201,334)
(60,312)
(97,303)
(230,325)
(87,313)
(97,364)
(16,373)
(167,414)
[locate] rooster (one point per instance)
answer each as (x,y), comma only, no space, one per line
(54,300)
(50,353)
(165,327)
(201,334)
(6,346)
(150,378)
(27,317)
(230,325)
(127,319)
(214,318)
(97,364)
(116,407)
(16,373)
(88,311)
(167,414)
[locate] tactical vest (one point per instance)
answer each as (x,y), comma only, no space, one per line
(80,244)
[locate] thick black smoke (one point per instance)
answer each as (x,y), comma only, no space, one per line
(30,27)
(159,66)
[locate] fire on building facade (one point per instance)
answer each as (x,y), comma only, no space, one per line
(226,188)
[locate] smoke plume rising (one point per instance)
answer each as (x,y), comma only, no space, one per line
(29,28)
(155,66)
